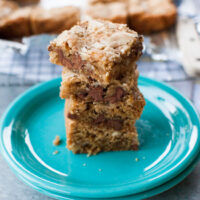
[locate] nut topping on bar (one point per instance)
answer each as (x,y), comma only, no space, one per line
(98,39)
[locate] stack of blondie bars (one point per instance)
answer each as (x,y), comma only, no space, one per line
(99,85)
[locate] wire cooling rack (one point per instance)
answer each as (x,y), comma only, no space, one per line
(27,63)
(26,69)
(32,66)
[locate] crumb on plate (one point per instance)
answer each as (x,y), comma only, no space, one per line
(56,141)
(55,152)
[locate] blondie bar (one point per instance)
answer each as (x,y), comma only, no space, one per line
(54,20)
(114,11)
(97,49)
(6,8)
(30,20)
(85,138)
(149,16)
(17,24)
(74,85)
(99,85)
(119,116)
(104,1)
(26,2)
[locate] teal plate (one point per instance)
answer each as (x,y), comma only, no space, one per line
(137,196)
(169,135)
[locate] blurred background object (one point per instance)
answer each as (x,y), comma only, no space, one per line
(188,36)
(114,11)
(159,47)
(17,22)
(6,8)
(24,61)
(26,2)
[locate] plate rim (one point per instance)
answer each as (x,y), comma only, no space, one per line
(124,190)
(146,194)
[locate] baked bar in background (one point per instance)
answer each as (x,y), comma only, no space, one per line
(17,24)
(7,8)
(29,20)
(104,1)
(143,16)
(54,20)
(148,16)
(114,11)
(26,2)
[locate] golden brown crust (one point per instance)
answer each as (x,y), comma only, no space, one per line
(149,16)
(54,20)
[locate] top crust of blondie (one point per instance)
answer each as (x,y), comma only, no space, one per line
(97,40)
(96,46)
